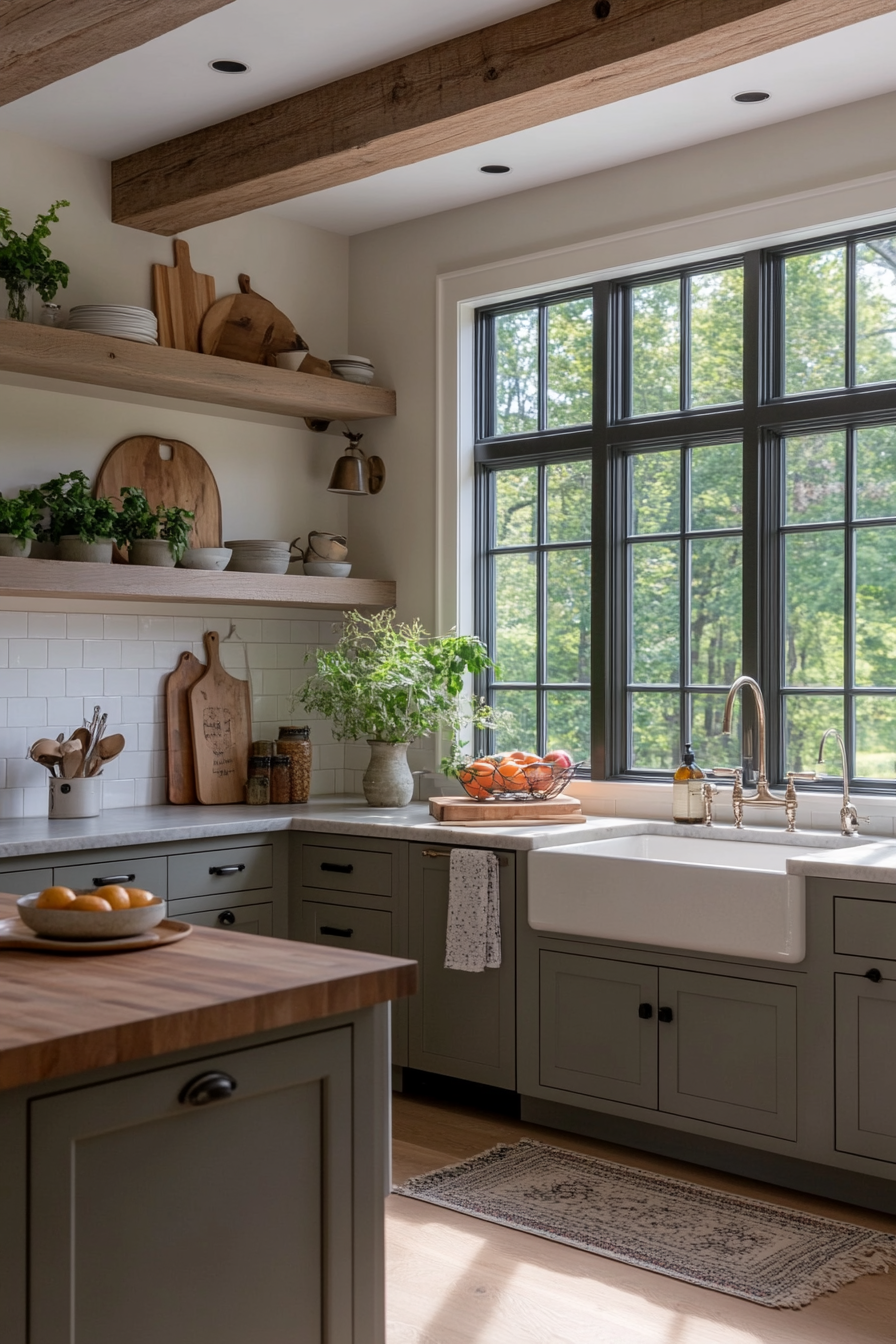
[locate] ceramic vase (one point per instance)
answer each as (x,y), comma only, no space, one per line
(388,781)
(95,552)
(151,551)
(11,546)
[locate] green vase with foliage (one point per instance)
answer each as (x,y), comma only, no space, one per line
(25,262)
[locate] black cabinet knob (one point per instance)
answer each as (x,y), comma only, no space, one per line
(227,917)
(874,974)
(665,1014)
(206,1088)
(645,1010)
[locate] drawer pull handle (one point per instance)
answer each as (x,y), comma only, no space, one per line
(227,917)
(874,974)
(337,867)
(227,869)
(336,933)
(114,881)
(665,1014)
(208,1087)
(645,1010)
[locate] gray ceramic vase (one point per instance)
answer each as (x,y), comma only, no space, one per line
(388,781)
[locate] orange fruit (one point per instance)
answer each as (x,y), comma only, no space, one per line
(94,903)
(511,778)
(115,897)
(137,897)
(54,898)
(539,775)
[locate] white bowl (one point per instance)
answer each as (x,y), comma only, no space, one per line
(328,569)
(354,373)
(85,924)
(351,359)
(206,557)
(291,359)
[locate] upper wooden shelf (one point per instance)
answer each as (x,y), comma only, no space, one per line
(148,583)
(104,361)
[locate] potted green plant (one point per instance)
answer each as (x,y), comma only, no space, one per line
(82,527)
(18,523)
(391,683)
(25,261)
(153,536)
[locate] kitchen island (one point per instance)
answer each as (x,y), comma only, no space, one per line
(195,1143)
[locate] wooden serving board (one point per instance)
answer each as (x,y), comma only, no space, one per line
(248,327)
(182,476)
(181,769)
(457,808)
(17,937)
(221,718)
(573,819)
(181,297)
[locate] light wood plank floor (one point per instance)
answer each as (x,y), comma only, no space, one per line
(456,1280)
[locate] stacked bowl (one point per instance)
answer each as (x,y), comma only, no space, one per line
(116,319)
(353,368)
(259,557)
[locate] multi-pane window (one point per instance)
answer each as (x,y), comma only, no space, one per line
(740,419)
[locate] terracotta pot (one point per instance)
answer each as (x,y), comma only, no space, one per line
(388,781)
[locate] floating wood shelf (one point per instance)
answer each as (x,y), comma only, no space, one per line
(148,583)
(105,361)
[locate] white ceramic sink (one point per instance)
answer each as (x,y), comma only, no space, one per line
(731,897)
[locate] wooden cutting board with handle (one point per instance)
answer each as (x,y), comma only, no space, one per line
(181,297)
(181,769)
(221,716)
(246,326)
(171,472)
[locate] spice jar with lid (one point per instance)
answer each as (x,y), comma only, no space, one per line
(295,743)
(280,779)
(258,785)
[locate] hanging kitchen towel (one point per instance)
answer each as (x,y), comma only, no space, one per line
(473,935)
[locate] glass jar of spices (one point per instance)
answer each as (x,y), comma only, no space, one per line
(258,785)
(280,779)
(295,743)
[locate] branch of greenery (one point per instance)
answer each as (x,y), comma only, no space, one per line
(25,261)
(75,512)
(19,517)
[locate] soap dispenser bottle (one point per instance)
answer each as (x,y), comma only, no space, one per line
(687,789)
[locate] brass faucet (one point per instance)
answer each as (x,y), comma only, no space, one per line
(763,797)
(849,817)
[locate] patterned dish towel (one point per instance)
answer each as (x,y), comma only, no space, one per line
(473,936)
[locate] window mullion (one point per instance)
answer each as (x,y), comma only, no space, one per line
(849,606)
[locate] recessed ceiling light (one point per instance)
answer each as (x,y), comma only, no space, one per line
(754,96)
(494,168)
(228,67)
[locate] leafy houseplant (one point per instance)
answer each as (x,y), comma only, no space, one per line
(138,523)
(18,518)
(391,684)
(25,261)
(83,527)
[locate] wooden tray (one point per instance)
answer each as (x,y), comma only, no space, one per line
(458,808)
(17,937)
(571,819)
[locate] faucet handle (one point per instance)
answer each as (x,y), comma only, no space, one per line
(802,774)
(726,772)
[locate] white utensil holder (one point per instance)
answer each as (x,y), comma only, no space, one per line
(75,798)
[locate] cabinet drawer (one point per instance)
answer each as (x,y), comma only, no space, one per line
(864,928)
(151,874)
(340,869)
(235,919)
(24,882)
(220,870)
(347,926)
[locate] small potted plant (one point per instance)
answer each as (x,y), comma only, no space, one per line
(25,262)
(391,684)
(82,527)
(18,523)
(153,536)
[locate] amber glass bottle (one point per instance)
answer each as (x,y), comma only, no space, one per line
(687,789)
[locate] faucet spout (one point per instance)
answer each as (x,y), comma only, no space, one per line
(760,715)
(849,817)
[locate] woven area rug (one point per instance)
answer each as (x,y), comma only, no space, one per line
(775,1256)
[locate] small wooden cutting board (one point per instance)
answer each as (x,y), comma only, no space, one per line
(249,327)
(454,807)
(181,769)
(221,717)
(182,297)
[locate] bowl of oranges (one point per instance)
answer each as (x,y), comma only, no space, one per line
(517,776)
(107,912)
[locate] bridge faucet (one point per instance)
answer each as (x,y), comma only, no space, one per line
(763,797)
(849,817)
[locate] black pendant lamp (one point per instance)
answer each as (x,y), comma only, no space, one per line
(355,474)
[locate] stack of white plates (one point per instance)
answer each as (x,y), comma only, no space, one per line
(116,319)
(354,368)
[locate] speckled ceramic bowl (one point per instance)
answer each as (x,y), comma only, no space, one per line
(82,924)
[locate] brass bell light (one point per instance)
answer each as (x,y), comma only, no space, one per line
(354,474)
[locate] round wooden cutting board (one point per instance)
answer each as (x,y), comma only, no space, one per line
(171,472)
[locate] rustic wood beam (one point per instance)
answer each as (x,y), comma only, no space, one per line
(550,63)
(45,40)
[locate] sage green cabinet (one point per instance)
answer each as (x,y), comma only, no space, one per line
(347,926)
(866,1078)
(253,918)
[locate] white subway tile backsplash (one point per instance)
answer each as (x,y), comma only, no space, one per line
(46,681)
(136,653)
(4,653)
(102,653)
(30,711)
(276,681)
(82,626)
(188,628)
(275,632)
(25,774)
(289,655)
(12,802)
(84,681)
(13,681)
(35,802)
(66,712)
(65,653)
(27,653)
(118,792)
(121,681)
(263,655)
(120,627)
(150,736)
(13,625)
(155,627)
(139,708)
(304,632)
(152,680)
(46,625)
(166,653)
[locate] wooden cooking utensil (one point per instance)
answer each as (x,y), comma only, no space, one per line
(110,747)
(246,326)
(171,472)
(72,760)
(46,746)
(221,715)
(181,297)
(181,773)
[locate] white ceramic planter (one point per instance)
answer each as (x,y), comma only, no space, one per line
(93,552)
(11,546)
(75,798)
(153,551)
(388,781)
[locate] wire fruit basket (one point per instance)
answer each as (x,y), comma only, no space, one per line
(509,781)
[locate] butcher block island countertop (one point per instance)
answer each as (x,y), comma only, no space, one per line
(63,1015)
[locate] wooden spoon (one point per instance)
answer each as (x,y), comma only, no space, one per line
(110,747)
(45,746)
(71,761)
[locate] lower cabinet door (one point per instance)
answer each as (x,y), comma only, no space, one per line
(597,1027)
(866,1080)
(347,926)
(236,918)
(157,1221)
(727,1051)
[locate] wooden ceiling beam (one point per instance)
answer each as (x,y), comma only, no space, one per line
(552,62)
(45,40)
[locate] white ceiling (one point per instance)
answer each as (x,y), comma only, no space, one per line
(166,88)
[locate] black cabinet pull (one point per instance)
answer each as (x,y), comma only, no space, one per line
(227,917)
(337,867)
(645,1010)
(227,869)
(665,1014)
(114,881)
(208,1087)
(874,974)
(336,933)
